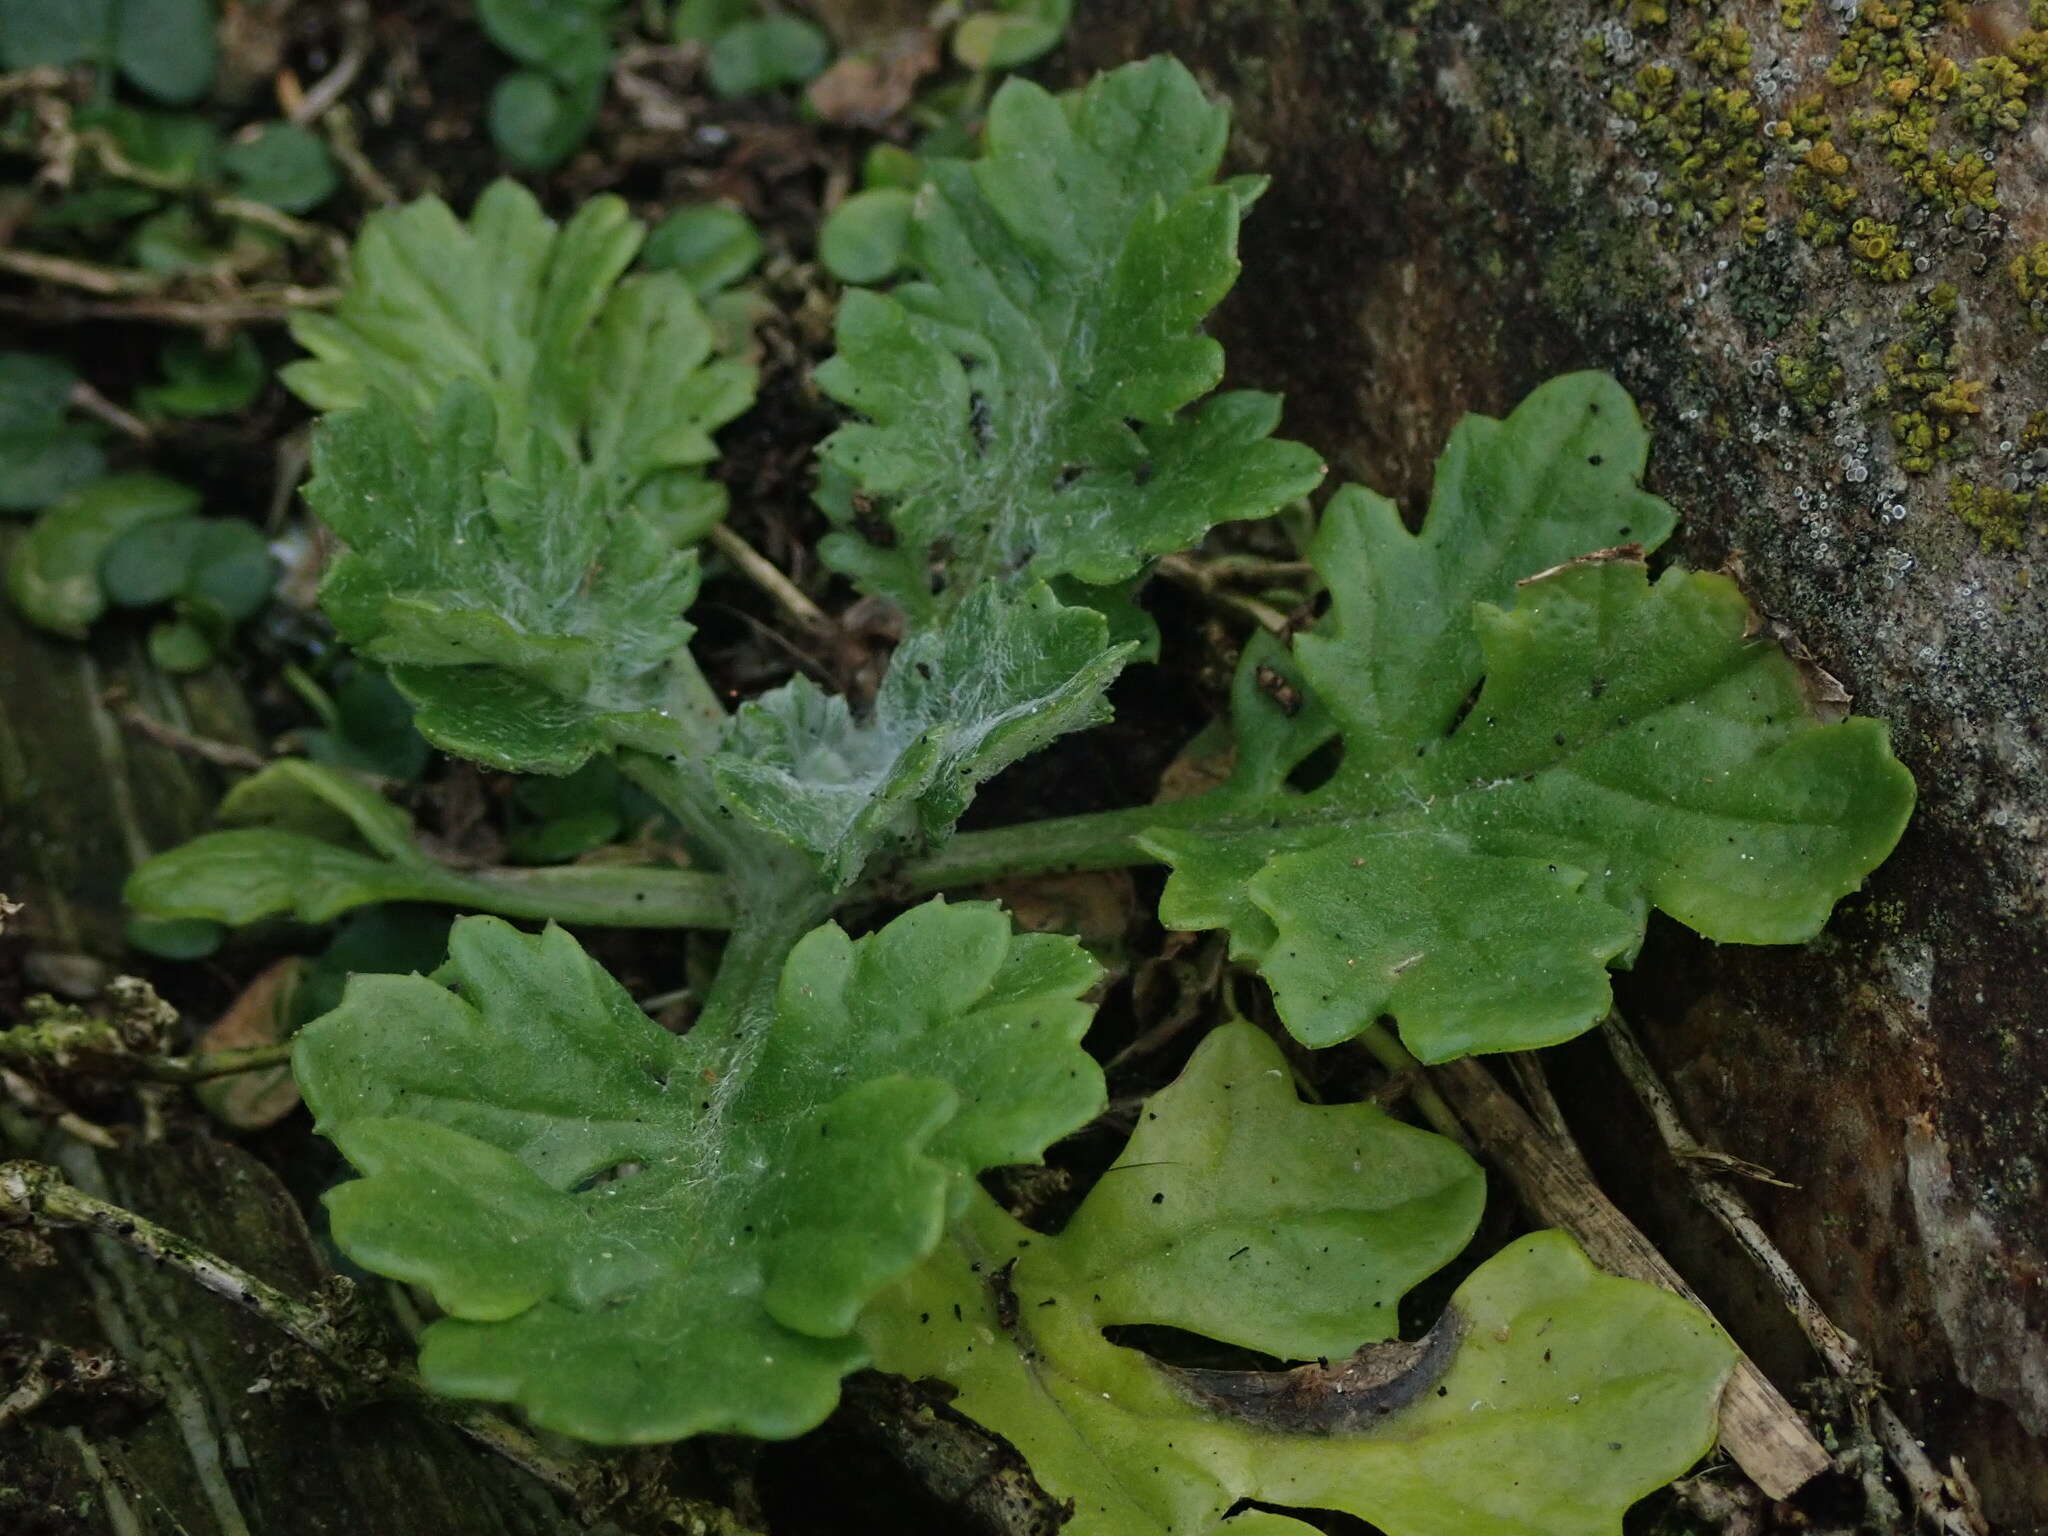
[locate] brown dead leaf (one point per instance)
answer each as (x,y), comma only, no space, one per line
(1341,1397)
(1205,763)
(249,1101)
(1095,906)
(869,88)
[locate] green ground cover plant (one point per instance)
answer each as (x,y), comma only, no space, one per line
(1456,797)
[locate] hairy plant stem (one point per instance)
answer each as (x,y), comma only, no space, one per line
(681,785)
(611,896)
(775,895)
(1064,844)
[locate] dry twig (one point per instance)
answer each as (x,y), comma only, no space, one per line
(1947,1505)
(1196,578)
(89,400)
(252,306)
(315,103)
(1529,1076)
(766,575)
(1760,1429)
(222,754)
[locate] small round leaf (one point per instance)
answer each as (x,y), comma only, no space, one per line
(283,165)
(166,47)
(177,645)
(761,55)
(712,246)
(175,938)
(865,239)
(150,564)
(231,568)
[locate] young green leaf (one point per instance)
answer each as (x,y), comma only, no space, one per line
(569,38)
(711,246)
(537,120)
(34,33)
(54,577)
(1005,674)
(1519,787)
(701,21)
(180,646)
(1026,399)
(865,238)
(43,455)
(759,55)
(204,381)
(166,47)
(531,620)
(183,148)
(1547,1401)
(611,370)
(552,821)
(1015,32)
(637,1236)
(150,564)
(366,725)
(284,165)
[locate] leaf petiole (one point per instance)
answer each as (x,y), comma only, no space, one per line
(1063,845)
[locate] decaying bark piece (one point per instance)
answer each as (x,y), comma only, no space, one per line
(239,1442)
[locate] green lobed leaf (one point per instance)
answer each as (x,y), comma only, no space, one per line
(579,360)
(1242,1214)
(1629,745)
(531,621)
(1549,1399)
(637,1236)
(54,577)
(1007,673)
(1027,399)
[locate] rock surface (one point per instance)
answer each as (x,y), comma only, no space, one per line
(1812,241)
